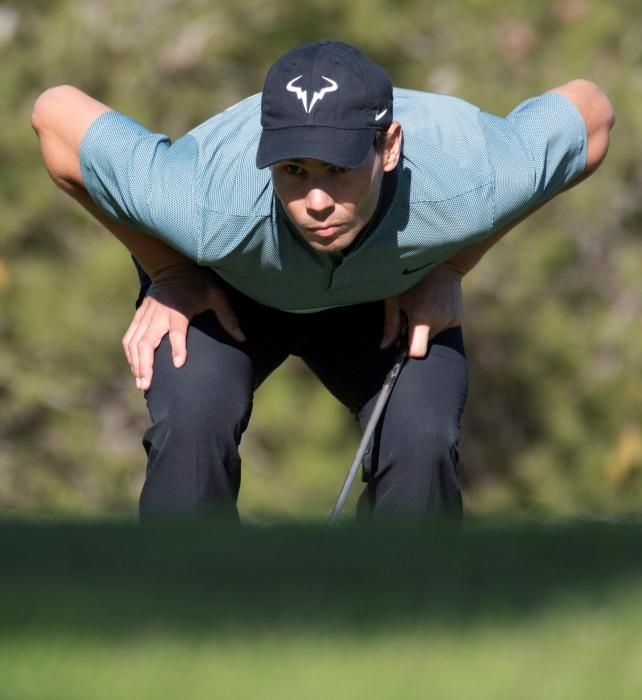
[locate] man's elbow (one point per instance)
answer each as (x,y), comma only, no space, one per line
(48,118)
(47,105)
(607,108)
(603,120)
(598,114)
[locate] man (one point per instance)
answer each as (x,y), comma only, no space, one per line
(313,235)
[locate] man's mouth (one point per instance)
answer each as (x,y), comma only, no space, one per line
(324,231)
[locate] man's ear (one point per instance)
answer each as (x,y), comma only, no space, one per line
(392,148)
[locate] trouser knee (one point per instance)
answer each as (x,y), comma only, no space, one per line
(417,473)
(198,414)
(205,427)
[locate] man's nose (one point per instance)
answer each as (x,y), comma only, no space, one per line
(319,202)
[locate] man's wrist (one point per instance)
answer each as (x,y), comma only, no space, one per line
(176,272)
(453,268)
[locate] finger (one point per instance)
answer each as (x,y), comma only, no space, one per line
(134,342)
(178,338)
(131,330)
(147,344)
(135,355)
(125,343)
(226,316)
(145,363)
(418,343)
(391,323)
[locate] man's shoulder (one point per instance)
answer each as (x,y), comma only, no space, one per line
(239,122)
(411,105)
(227,177)
(441,123)
(444,149)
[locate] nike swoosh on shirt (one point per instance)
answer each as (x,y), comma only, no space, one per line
(380,115)
(408,271)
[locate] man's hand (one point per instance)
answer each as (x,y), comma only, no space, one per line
(176,295)
(431,306)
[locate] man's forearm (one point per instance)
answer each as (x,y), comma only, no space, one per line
(465,259)
(600,119)
(60,118)
(152,254)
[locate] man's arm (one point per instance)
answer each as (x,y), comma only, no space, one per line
(435,303)
(599,118)
(60,118)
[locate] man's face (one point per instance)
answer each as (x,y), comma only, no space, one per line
(329,205)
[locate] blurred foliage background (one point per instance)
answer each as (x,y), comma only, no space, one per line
(553,425)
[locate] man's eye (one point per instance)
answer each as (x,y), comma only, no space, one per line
(338,170)
(291,169)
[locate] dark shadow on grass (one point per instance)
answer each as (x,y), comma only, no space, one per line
(204,578)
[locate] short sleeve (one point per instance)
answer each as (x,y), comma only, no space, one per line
(538,149)
(142,179)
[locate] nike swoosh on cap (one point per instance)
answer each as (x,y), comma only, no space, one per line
(380,115)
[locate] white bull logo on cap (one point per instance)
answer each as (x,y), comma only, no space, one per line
(316,96)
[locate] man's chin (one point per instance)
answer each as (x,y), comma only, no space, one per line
(326,246)
(331,244)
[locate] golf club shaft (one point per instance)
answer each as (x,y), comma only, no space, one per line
(380,404)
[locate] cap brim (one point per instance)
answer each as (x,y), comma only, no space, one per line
(347,148)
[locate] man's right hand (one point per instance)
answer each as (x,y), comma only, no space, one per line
(177,294)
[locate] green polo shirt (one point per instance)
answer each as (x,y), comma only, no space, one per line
(463,174)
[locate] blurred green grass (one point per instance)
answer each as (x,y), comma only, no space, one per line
(202,609)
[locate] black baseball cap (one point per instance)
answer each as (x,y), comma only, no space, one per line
(324,101)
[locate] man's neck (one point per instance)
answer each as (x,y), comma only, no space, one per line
(387,194)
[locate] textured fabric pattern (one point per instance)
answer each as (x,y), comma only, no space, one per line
(464,174)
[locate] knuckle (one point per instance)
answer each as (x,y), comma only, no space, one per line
(179,322)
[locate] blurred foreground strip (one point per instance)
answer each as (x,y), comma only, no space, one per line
(208,577)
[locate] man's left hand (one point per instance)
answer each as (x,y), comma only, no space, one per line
(431,307)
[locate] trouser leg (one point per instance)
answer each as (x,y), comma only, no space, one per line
(412,467)
(413,462)
(198,414)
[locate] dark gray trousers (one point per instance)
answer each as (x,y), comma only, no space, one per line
(199,412)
